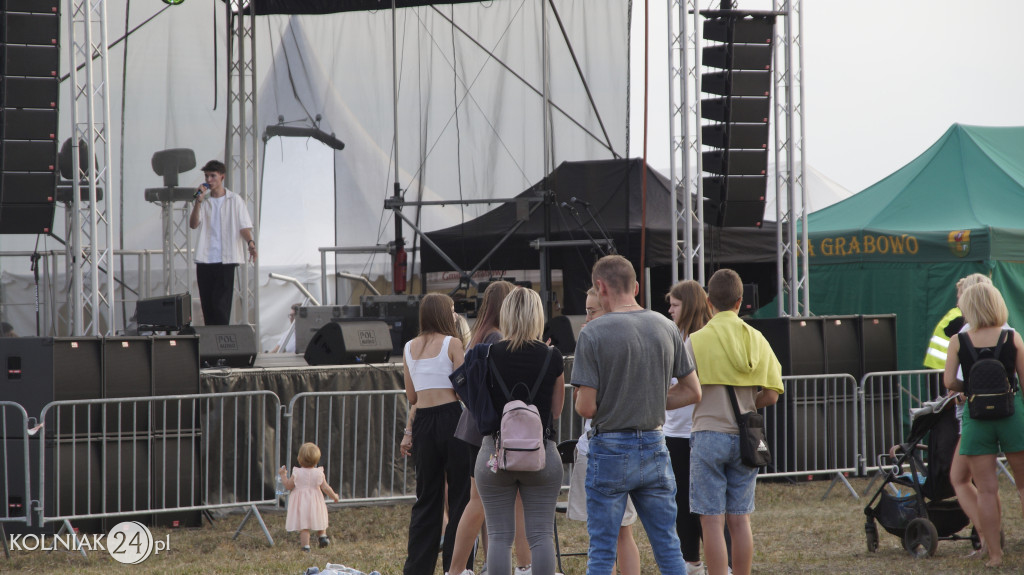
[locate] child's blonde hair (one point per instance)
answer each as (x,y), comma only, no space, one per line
(309,455)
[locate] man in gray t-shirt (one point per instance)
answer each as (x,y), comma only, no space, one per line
(623,367)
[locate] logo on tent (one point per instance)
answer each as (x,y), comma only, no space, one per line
(960,242)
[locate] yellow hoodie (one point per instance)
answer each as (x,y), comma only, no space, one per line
(730,352)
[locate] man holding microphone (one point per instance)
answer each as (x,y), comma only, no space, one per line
(225,234)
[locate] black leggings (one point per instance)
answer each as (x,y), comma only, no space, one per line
(687,524)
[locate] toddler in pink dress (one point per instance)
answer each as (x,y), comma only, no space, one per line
(306,508)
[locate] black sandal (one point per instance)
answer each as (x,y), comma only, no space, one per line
(324,541)
(305,548)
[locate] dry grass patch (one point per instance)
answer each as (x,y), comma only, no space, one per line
(794,532)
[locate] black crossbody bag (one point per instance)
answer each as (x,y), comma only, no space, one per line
(754,450)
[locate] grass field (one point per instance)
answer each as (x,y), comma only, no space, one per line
(794,532)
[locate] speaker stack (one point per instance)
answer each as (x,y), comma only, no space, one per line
(155,457)
(850,344)
(29,59)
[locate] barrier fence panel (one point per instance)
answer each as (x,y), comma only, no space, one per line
(358,433)
(886,400)
(812,429)
(14,468)
(166,457)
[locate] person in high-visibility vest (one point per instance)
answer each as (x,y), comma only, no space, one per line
(949,325)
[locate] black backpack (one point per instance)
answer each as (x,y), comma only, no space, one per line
(989,387)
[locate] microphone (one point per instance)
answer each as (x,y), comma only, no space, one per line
(576,200)
(199,191)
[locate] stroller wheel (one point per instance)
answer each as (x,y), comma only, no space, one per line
(872,535)
(921,538)
(975,538)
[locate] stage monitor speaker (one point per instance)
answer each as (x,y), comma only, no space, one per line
(311,318)
(350,342)
(227,345)
(878,333)
(164,313)
(39,370)
(400,312)
(559,331)
(798,342)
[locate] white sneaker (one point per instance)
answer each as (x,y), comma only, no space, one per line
(528,570)
(695,569)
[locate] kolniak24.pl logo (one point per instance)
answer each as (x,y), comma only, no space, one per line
(128,542)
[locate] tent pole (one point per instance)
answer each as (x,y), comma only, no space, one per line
(545,256)
(398,254)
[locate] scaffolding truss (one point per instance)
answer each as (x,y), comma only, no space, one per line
(90,246)
(241,148)
(684,44)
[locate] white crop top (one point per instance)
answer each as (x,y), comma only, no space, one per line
(430,372)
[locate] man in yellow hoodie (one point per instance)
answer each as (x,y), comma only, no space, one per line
(729,354)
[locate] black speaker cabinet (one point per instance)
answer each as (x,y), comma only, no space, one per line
(799,343)
(177,478)
(878,333)
(350,342)
(311,318)
(176,372)
(400,312)
(63,493)
(843,353)
(227,345)
(127,372)
(39,370)
(165,313)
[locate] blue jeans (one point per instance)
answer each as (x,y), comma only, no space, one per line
(637,464)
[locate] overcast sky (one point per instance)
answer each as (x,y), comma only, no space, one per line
(882,80)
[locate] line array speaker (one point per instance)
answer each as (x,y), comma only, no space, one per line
(29,62)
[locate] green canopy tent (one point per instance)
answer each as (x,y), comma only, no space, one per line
(900,245)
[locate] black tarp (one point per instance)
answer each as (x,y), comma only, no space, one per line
(613,189)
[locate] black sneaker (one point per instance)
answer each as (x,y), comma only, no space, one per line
(324,541)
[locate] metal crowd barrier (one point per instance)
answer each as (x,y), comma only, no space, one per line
(14,468)
(886,400)
(105,458)
(358,433)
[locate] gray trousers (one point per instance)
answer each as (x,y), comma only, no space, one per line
(539,491)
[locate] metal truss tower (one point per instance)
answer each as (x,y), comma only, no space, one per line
(90,261)
(177,247)
(684,43)
(241,149)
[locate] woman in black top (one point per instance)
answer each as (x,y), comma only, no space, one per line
(519,357)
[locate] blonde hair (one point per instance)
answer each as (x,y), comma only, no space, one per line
(490,310)
(970,280)
(463,326)
(522,318)
(694,312)
(983,306)
(309,455)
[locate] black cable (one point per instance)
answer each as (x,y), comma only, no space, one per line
(101,268)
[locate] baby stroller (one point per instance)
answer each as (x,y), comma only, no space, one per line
(917,506)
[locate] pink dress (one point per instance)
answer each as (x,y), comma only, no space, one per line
(306,506)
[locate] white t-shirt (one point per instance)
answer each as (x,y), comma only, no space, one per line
(214,256)
(679,422)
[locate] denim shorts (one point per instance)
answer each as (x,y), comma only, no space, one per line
(720,483)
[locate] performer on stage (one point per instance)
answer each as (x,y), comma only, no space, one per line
(225,231)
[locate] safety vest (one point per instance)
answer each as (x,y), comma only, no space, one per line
(936,356)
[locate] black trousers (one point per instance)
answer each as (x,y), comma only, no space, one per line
(438,456)
(216,289)
(687,524)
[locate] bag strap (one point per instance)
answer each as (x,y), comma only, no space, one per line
(536,384)
(735,404)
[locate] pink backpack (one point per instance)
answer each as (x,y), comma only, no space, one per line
(519,443)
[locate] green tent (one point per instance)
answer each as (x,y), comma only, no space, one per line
(900,245)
